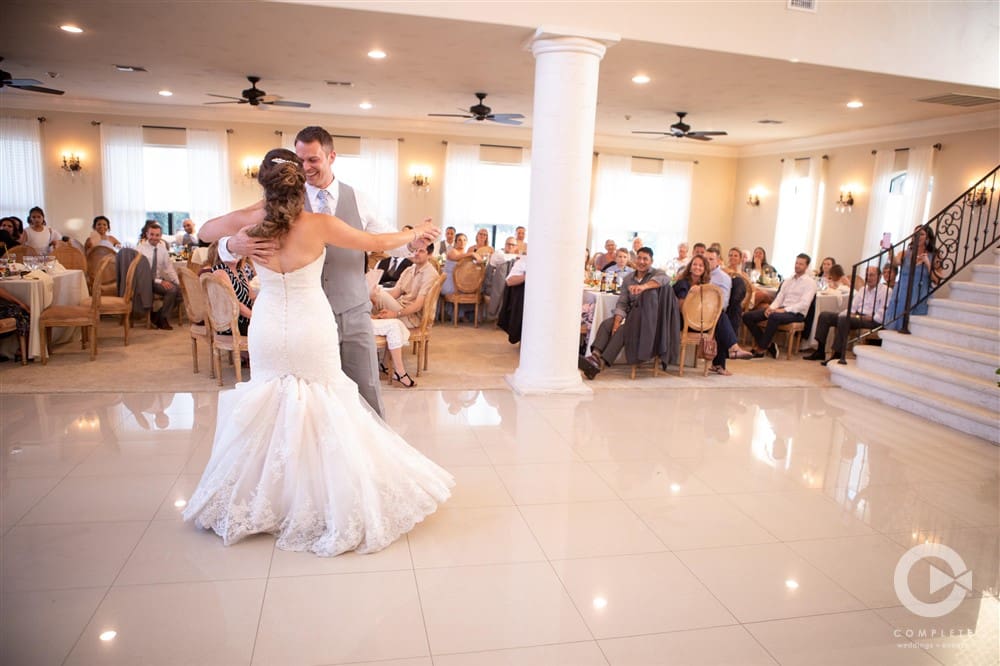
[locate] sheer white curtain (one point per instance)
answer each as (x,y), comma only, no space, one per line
(612,185)
(208,174)
(379,175)
(122,173)
(919,167)
(677,181)
(21,181)
(879,220)
(793,231)
(460,171)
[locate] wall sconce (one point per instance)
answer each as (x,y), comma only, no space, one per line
(71,163)
(251,165)
(977,196)
(753,199)
(420,177)
(845,203)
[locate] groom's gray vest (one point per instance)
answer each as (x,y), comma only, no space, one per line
(344,270)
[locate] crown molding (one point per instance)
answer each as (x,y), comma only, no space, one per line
(965,122)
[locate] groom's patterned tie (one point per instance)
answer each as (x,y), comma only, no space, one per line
(324,202)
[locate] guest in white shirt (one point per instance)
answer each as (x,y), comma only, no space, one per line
(719,277)
(39,235)
(788,307)
(678,263)
(517,272)
(509,251)
(867,311)
(165,278)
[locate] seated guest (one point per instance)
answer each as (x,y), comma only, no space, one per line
(610,337)
(101,234)
(454,253)
(889,273)
(13,307)
(15,225)
(396,336)
(39,235)
(717,246)
(606,259)
(789,306)
(165,278)
(189,238)
(836,280)
(511,314)
(239,273)
(445,243)
(757,268)
(725,332)
(482,245)
(406,300)
(517,272)
(392,268)
(508,253)
(7,237)
(734,263)
(621,263)
(145,228)
(867,311)
(719,277)
(636,246)
(697,272)
(522,245)
(678,263)
(698,249)
(824,267)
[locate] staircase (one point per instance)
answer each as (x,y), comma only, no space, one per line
(945,369)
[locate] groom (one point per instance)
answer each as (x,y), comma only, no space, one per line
(343,271)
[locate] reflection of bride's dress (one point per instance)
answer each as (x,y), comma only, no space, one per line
(297,452)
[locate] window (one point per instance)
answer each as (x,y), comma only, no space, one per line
(486,187)
(165,177)
(21,187)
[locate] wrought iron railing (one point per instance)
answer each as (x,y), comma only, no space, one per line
(958,234)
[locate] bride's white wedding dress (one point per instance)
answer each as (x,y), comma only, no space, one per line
(297,452)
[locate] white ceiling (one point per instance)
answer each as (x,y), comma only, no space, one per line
(434,65)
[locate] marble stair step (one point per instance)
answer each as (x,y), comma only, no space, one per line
(958,358)
(978,293)
(976,338)
(965,313)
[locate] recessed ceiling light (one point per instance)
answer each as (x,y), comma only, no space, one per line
(71,28)
(130,68)
(640,79)
(768,121)
(164,93)
(342,84)
(376,54)
(366,105)
(793,60)
(108,635)
(792,584)
(855,104)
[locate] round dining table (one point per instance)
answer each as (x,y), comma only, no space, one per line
(66,287)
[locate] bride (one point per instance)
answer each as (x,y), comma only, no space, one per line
(297,452)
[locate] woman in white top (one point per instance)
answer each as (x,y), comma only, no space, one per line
(39,235)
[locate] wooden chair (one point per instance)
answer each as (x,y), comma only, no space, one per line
(121,305)
(420,337)
(87,317)
(468,275)
(374,257)
(700,313)
(223,311)
(109,281)
(70,257)
(19,252)
(793,333)
(9,325)
(196,307)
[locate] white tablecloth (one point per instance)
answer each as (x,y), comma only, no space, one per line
(826,301)
(68,288)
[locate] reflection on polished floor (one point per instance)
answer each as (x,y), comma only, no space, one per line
(631,527)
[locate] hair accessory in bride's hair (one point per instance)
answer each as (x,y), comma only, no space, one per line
(280,160)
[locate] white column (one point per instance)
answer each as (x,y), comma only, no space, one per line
(562,150)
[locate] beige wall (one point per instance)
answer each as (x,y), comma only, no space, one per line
(719,188)
(964,157)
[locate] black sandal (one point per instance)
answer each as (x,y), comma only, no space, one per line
(396,377)
(382,369)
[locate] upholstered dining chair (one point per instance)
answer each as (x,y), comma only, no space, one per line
(9,325)
(223,310)
(121,305)
(87,317)
(701,312)
(70,257)
(469,274)
(109,281)
(19,252)
(420,337)
(196,307)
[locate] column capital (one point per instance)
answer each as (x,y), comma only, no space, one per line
(550,39)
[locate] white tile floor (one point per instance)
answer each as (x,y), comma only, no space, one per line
(633,527)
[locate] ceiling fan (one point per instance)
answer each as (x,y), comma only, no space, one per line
(254,96)
(480,112)
(25,84)
(682,130)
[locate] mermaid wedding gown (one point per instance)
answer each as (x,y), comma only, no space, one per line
(297,451)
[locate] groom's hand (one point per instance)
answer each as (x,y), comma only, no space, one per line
(258,249)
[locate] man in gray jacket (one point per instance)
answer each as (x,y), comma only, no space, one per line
(344,270)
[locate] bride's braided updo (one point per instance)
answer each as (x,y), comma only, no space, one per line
(284,180)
